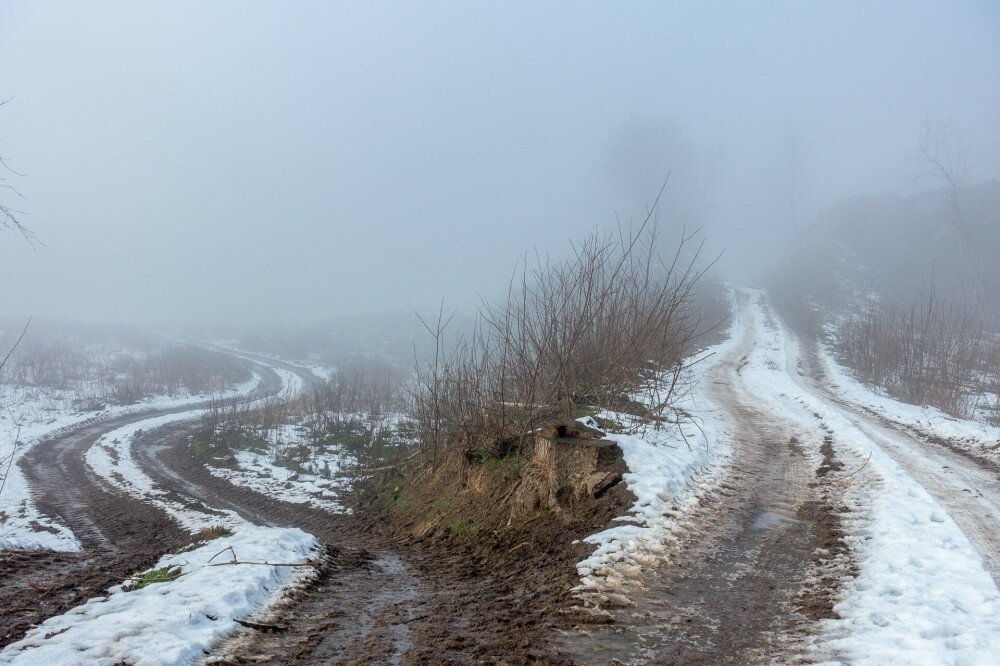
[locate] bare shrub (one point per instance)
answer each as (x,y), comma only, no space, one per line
(364,410)
(607,328)
(234,424)
(933,352)
(116,367)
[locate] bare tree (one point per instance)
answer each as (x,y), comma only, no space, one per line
(9,220)
(941,158)
(9,216)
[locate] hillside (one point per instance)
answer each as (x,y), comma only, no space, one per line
(898,245)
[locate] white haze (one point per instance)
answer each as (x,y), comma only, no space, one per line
(262,162)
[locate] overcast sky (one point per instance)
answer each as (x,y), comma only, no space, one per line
(255,162)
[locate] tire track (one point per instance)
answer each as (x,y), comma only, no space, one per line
(743,587)
(119,534)
(968,488)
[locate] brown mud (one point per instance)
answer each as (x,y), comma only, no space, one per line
(119,535)
(440,572)
(762,559)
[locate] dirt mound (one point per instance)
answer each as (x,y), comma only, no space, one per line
(504,571)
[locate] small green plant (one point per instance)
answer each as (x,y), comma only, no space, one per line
(161,575)
(505,467)
(439,505)
(206,534)
(609,425)
(400,500)
(210,533)
(461,525)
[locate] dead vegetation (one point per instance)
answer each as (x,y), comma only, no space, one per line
(354,424)
(934,351)
(110,367)
(608,328)
(500,465)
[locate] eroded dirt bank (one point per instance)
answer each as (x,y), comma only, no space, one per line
(435,574)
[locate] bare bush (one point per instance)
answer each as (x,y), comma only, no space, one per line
(362,409)
(607,328)
(932,352)
(113,368)
(240,423)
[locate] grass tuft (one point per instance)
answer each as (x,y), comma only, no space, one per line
(161,575)
(206,534)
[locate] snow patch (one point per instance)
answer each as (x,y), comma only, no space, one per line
(671,470)
(316,483)
(922,594)
(172,622)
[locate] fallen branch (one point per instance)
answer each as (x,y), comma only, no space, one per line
(267,628)
(229,548)
(263,564)
(847,476)
(525,543)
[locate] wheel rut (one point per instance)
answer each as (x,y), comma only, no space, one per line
(119,534)
(355,605)
(745,585)
(967,486)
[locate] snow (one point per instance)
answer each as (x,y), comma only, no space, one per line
(110,457)
(922,594)
(178,621)
(310,485)
(172,622)
(671,470)
(978,438)
(43,413)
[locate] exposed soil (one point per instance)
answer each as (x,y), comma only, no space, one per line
(762,560)
(966,485)
(832,558)
(119,535)
(438,572)
(508,596)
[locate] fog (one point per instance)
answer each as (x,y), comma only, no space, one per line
(257,163)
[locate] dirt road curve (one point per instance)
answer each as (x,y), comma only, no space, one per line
(365,603)
(119,535)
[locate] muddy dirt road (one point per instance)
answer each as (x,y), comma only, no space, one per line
(763,557)
(119,534)
(365,602)
(732,591)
